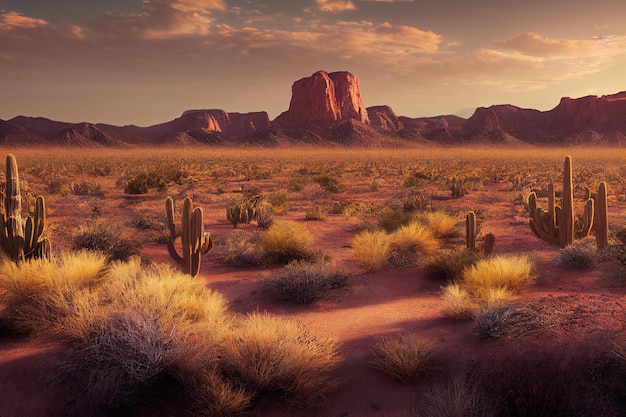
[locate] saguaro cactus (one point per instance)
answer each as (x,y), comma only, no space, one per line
(194,241)
(558,224)
(601,218)
(21,238)
(470,230)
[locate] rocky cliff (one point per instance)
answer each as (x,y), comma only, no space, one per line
(324,97)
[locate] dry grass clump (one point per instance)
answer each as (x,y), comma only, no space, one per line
(576,257)
(271,356)
(490,283)
(449,266)
(108,239)
(441,224)
(134,331)
(37,294)
(371,248)
(305,282)
(287,241)
(403,359)
(241,248)
(459,398)
(404,247)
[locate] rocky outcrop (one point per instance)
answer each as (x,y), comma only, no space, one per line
(85,135)
(14,135)
(324,97)
(384,118)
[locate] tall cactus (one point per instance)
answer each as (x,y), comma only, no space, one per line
(470,230)
(601,221)
(194,241)
(558,224)
(21,238)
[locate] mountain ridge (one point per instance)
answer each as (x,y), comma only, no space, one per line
(327,109)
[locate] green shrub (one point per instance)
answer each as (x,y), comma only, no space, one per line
(304,282)
(328,182)
(403,359)
(287,241)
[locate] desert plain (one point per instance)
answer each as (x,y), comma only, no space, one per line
(553,351)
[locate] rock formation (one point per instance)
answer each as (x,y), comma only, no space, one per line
(324,97)
(383,117)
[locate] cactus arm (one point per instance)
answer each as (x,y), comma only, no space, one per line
(171,249)
(186,234)
(587,223)
(600,221)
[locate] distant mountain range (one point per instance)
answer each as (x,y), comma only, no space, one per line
(327,109)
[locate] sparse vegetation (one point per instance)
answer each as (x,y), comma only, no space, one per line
(305,282)
(287,241)
(403,358)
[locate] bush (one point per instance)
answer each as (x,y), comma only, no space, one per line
(403,359)
(450,266)
(287,241)
(108,240)
(440,224)
(270,356)
(461,397)
(492,322)
(39,294)
(371,248)
(87,188)
(242,248)
(328,182)
(391,220)
(576,257)
(457,303)
(511,272)
(410,243)
(303,282)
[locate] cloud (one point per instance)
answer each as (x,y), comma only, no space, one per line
(537,45)
(14,20)
(335,6)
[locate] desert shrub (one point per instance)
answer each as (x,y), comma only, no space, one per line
(416,178)
(458,398)
(576,257)
(135,336)
(511,272)
(492,322)
(488,284)
(88,188)
(403,359)
(371,248)
(39,294)
(242,248)
(305,282)
(287,241)
(390,219)
(406,246)
(450,266)
(278,200)
(159,178)
(415,202)
(409,243)
(58,185)
(108,239)
(251,209)
(328,182)
(270,356)
(441,224)
(457,303)
(315,213)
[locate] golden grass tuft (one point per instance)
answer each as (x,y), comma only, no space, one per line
(403,359)
(38,294)
(273,356)
(441,224)
(371,248)
(511,272)
(457,302)
(287,241)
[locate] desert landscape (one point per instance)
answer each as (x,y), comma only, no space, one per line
(550,346)
(314,208)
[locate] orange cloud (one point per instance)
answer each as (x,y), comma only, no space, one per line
(537,45)
(14,20)
(335,6)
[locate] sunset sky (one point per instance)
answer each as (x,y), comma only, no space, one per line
(145,62)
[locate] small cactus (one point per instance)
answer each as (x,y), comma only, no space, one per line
(21,238)
(194,241)
(470,230)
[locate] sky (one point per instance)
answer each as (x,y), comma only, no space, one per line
(145,62)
